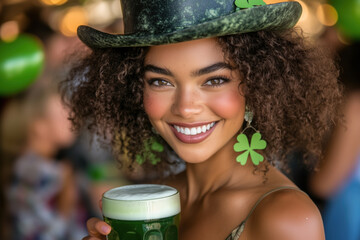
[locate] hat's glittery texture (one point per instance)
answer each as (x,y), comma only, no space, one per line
(155,22)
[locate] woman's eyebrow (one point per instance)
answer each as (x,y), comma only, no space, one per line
(212,68)
(196,73)
(155,69)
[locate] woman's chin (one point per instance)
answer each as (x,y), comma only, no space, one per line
(194,158)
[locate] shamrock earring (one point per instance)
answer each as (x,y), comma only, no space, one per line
(243,143)
(150,146)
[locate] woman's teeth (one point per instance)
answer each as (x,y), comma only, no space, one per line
(194,130)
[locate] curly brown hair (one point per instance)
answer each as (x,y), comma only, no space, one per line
(289,85)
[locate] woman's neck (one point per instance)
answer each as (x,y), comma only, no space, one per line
(218,172)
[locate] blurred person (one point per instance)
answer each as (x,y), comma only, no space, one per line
(338,178)
(42,195)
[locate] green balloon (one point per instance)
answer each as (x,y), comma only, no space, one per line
(349,17)
(21,62)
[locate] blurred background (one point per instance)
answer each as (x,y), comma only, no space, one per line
(52,180)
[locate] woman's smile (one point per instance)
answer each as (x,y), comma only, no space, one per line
(192,133)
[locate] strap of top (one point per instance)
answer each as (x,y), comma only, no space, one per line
(267,194)
(237,232)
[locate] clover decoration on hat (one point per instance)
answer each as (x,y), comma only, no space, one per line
(156,22)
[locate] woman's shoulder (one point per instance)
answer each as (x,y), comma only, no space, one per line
(286,214)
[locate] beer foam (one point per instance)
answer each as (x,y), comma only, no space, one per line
(141,202)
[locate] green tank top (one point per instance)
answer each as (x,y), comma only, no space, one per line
(235,234)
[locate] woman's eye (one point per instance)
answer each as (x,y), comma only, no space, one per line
(159,83)
(215,82)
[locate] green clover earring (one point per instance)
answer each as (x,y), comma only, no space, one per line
(150,146)
(243,143)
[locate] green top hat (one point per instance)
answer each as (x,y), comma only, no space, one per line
(155,22)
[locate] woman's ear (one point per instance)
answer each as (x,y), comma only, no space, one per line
(241,88)
(240,76)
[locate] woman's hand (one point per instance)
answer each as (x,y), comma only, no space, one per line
(97,229)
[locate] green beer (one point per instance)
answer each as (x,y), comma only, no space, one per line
(142,212)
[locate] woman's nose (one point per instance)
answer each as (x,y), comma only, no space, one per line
(187,103)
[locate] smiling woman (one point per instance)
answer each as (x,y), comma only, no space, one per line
(274,89)
(202,97)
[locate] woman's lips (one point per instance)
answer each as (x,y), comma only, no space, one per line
(193,133)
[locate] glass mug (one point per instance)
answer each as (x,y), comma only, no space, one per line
(142,212)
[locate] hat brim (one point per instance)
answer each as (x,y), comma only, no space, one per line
(277,16)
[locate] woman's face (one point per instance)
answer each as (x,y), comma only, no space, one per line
(192,98)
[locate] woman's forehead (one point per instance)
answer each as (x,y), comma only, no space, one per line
(204,50)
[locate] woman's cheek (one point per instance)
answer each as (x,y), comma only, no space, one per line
(154,105)
(229,105)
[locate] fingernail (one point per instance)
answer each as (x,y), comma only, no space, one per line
(106,229)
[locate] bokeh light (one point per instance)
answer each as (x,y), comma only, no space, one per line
(116,9)
(327,14)
(308,22)
(54,2)
(72,18)
(103,13)
(9,31)
(305,12)
(96,12)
